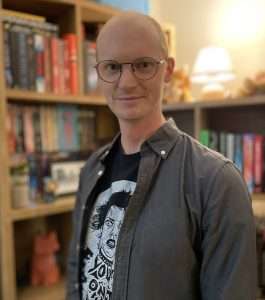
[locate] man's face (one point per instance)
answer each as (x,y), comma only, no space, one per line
(110,231)
(130,98)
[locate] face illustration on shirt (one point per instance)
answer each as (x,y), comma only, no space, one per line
(110,231)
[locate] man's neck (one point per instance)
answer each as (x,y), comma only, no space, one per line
(133,134)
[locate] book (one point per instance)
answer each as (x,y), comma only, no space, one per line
(238,153)
(258,162)
(71,43)
(230,146)
(90,73)
(67,116)
(204,137)
(248,155)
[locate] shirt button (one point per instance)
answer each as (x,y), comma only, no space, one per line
(163,152)
(77,247)
(83,207)
(100,173)
(76,286)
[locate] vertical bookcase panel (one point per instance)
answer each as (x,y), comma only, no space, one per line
(7,273)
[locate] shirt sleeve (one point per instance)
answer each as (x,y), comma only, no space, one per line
(228,270)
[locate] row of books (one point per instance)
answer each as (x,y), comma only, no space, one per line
(49,128)
(245,150)
(37,59)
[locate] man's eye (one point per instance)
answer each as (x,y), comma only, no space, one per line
(112,67)
(143,65)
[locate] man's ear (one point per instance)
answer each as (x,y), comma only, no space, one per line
(170,65)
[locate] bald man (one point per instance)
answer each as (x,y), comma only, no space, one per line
(157,216)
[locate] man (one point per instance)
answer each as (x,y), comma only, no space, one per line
(182,227)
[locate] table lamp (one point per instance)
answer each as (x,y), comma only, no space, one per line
(212,67)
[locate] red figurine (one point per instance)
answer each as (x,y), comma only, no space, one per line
(45,270)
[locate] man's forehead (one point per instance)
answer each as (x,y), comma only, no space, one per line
(125,24)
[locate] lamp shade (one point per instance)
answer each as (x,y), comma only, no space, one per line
(213,64)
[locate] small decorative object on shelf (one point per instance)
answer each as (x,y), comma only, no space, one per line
(20,185)
(253,85)
(45,270)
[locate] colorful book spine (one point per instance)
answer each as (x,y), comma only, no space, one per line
(204,137)
(248,155)
(258,162)
(238,154)
(39,49)
(54,63)
(71,43)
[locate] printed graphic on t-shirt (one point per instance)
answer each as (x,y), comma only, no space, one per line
(102,235)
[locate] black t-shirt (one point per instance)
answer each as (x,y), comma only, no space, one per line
(111,200)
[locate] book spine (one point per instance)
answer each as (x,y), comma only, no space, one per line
(71,43)
(47,63)
(28,129)
(10,129)
(19,127)
(54,64)
(7,56)
(258,163)
(238,154)
(204,137)
(91,74)
(31,55)
(36,119)
(230,141)
(61,67)
(39,50)
(248,152)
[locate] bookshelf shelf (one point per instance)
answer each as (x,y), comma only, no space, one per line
(91,11)
(34,97)
(204,104)
(56,291)
(247,101)
(60,205)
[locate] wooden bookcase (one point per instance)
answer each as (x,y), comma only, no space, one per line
(18,226)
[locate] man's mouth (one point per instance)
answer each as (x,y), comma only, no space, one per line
(128,98)
(111,243)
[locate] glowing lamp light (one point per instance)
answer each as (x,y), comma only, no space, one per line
(212,67)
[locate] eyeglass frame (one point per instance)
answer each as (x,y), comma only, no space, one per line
(158,62)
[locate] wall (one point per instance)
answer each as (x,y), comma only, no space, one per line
(238,25)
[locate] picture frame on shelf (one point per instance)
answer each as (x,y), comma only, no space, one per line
(65,176)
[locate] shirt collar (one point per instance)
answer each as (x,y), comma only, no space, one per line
(161,142)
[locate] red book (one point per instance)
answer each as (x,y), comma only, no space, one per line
(258,163)
(71,44)
(55,65)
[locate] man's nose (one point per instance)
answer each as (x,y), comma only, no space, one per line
(127,78)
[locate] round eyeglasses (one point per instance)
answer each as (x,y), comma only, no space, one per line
(143,68)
